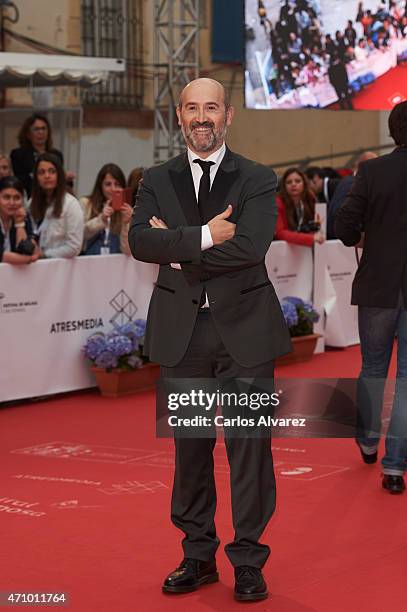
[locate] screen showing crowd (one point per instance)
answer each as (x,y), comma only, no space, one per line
(325,53)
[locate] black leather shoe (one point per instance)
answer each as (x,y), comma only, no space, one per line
(190,575)
(393,484)
(249,585)
(367,458)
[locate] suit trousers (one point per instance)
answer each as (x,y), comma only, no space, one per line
(252,480)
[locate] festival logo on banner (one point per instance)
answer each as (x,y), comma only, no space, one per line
(125,309)
(9,305)
(283,278)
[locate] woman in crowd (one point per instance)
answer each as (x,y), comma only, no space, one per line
(5,168)
(296,211)
(34,138)
(16,243)
(57,215)
(106,229)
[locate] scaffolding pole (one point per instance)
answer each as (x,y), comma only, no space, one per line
(176,63)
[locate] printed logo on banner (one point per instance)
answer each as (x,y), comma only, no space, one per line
(283,278)
(71,326)
(8,306)
(125,309)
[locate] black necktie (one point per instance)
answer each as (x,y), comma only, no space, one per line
(203,197)
(204,188)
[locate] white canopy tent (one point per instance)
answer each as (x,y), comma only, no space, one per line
(42,70)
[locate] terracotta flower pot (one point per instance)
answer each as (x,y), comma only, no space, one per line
(122,382)
(303,349)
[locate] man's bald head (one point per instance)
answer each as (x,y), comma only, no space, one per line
(365,156)
(204,85)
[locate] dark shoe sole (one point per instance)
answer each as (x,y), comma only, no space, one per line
(393,491)
(368,459)
(210,579)
(251,596)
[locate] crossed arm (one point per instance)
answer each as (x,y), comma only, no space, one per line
(254,233)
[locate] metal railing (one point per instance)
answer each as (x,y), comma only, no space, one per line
(353,154)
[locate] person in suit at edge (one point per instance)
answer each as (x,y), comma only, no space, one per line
(211,213)
(341,193)
(376,206)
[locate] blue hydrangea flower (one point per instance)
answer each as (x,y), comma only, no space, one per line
(106,359)
(119,345)
(94,345)
(296,301)
(133,328)
(290,313)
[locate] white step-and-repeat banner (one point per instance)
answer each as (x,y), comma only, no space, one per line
(334,271)
(290,269)
(48,309)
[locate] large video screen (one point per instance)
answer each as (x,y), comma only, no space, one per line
(339,54)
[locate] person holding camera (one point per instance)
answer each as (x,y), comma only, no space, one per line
(57,215)
(17,245)
(296,211)
(106,223)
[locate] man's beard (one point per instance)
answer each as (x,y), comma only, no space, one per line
(213,139)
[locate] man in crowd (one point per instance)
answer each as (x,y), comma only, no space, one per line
(208,218)
(323,186)
(377,206)
(338,77)
(341,193)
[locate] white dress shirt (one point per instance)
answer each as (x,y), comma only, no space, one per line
(196,171)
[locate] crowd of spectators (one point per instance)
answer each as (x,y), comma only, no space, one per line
(302,54)
(40,216)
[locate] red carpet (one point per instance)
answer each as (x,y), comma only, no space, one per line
(98,512)
(384,93)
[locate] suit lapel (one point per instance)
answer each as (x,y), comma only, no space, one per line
(181,178)
(225,177)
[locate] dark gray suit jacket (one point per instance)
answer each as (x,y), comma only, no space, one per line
(377,205)
(244,306)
